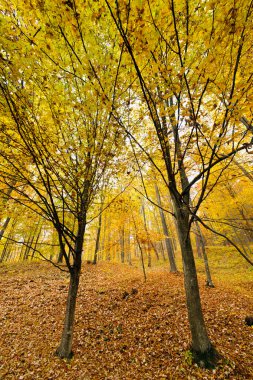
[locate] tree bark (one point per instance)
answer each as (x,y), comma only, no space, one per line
(5,225)
(129,255)
(65,348)
(198,240)
(36,241)
(202,249)
(160,243)
(245,172)
(140,248)
(203,352)
(209,281)
(169,247)
(6,253)
(29,245)
(122,245)
(95,259)
(60,257)
(107,239)
(150,243)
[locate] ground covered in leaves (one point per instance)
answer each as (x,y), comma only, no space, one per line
(125,328)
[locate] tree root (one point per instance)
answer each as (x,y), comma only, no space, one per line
(208,359)
(63,355)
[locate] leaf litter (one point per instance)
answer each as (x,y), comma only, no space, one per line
(125,329)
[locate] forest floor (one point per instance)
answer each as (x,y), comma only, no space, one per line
(142,335)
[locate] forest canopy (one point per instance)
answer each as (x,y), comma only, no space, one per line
(126,135)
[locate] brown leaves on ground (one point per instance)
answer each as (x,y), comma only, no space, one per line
(125,328)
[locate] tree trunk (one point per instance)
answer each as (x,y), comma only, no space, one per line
(122,245)
(5,200)
(160,244)
(142,258)
(129,255)
(107,239)
(4,251)
(65,348)
(140,248)
(29,245)
(150,243)
(5,225)
(202,249)
(203,352)
(169,247)
(245,172)
(149,255)
(209,281)
(162,250)
(36,241)
(238,238)
(95,259)
(248,232)
(198,240)
(60,256)
(7,250)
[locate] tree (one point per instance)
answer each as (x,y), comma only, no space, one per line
(57,136)
(169,246)
(73,84)
(191,62)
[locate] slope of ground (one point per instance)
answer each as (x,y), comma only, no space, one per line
(140,335)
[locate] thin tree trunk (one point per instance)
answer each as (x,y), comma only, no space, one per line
(202,248)
(248,231)
(161,249)
(142,258)
(209,281)
(65,348)
(8,243)
(95,259)
(169,247)
(28,245)
(36,241)
(4,251)
(146,229)
(5,225)
(140,248)
(198,240)
(5,200)
(107,239)
(245,172)
(136,248)
(238,237)
(102,237)
(150,243)
(129,256)
(60,256)
(122,245)
(149,255)
(241,211)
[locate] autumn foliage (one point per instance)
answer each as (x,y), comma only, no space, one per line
(126,136)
